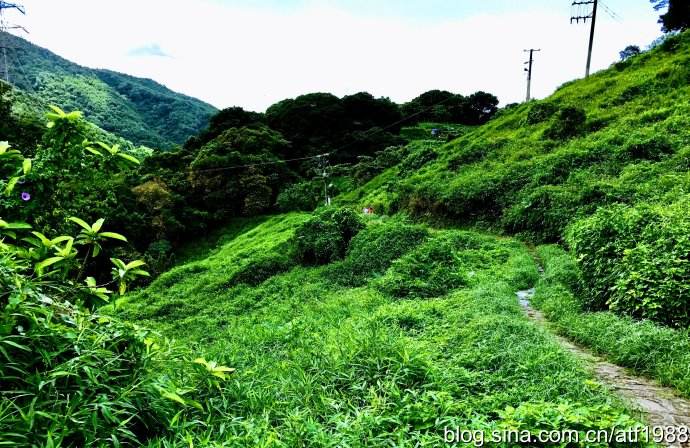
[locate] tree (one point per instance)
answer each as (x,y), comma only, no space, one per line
(629,51)
(677,17)
(232,117)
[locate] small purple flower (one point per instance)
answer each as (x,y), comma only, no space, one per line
(26,196)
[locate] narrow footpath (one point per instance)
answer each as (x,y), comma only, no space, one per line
(660,405)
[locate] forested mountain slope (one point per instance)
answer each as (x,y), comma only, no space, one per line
(137,109)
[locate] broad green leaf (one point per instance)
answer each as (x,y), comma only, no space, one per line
(81,222)
(113,235)
(10,185)
(59,112)
(174,397)
(18,226)
(96,227)
(4,146)
(94,151)
(46,242)
(26,166)
(118,263)
(129,158)
(47,262)
(134,264)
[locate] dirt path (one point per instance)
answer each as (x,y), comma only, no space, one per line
(660,405)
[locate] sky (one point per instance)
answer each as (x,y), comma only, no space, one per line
(253,53)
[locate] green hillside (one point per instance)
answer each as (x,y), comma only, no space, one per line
(137,109)
(337,327)
(601,165)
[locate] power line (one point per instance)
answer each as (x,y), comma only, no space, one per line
(611,13)
(345,146)
(250,165)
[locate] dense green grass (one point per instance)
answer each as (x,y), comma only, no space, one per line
(323,364)
(647,348)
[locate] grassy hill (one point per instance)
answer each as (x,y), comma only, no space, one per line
(601,165)
(139,110)
(418,327)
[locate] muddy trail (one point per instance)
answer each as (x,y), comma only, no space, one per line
(661,406)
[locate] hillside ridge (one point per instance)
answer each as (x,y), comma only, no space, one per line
(138,109)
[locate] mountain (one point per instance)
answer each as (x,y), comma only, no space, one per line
(140,110)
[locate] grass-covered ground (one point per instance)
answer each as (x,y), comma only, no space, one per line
(415,330)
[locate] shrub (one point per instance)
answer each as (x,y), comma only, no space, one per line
(568,123)
(417,159)
(374,249)
(540,112)
(432,270)
(543,212)
(326,236)
(599,243)
(302,196)
(636,260)
(262,268)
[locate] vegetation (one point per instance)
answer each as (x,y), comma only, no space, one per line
(140,110)
(677,16)
(648,348)
(359,365)
(159,299)
(601,166)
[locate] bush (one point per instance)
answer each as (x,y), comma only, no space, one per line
(374,249)
(540,112)
(73,378)
(262,268)
(327,235)
(432,270)
(417,159)
(302,196)
(568,123)
(636,260)
(543,212)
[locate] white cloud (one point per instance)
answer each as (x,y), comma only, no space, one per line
(253,57)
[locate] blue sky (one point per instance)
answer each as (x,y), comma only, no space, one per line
(252,53)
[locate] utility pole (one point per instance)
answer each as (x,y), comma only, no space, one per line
(580,15)
(529,72)
(4,28)
(323,168)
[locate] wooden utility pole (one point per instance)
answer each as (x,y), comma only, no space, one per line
(576,17)
(529,72)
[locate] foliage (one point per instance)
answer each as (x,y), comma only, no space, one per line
(677,17)
(139,110)
(351,364)
(650,349)
(629,51)
(446,107)
(374,249)
(71,376)
(302,196)
(569,122)
(619,249)
(616,141)
(326,236)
